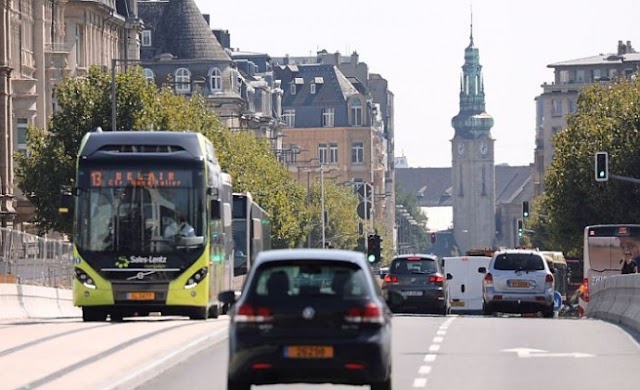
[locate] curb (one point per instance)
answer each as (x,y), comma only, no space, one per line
(166,361)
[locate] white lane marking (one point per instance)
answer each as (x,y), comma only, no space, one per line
(438,339)
(441,332)
(420,382)
(434,348)
(424,370)
(430,357)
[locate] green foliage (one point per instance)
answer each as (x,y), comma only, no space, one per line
(607,119)
(341,225)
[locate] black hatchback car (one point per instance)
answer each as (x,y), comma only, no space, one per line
(417,283)
(309,316)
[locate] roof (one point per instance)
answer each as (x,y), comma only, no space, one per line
(310,254)
(601,59)
(332,87)
(432,186)
(188,141)
(181,30)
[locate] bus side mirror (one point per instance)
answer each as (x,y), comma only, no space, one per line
(66,200)
(215,209)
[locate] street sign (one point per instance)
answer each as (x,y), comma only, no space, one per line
(557,301)
(364,210)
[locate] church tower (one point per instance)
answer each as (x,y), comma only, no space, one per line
(472,168)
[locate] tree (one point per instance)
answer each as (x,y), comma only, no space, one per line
(607,119)
(341,224)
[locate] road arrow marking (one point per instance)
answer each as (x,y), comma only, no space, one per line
(537,353)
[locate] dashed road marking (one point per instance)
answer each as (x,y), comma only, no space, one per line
(420,382)
(438,339)
(434,348)
(430,357)
(424,370)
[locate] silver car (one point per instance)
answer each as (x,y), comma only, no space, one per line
(517,281)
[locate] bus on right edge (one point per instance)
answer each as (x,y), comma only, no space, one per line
(604,250)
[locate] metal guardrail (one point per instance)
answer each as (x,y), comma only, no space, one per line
(30,259)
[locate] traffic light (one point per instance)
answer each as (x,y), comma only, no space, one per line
(525,209)
(602,166)
(433,238)
(520,228)
(374,248)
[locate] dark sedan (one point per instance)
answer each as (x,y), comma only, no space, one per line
(417,283)
(309,316)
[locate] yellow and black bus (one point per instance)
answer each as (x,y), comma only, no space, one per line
(152,226)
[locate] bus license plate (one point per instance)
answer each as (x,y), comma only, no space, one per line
(309,352)
(141,296)
(457,303)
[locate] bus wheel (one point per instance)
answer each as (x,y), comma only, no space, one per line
(92,314)
(213,311)
(199,313)
(116,316)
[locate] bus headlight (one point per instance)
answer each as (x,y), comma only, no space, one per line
(196,278)
(83,278)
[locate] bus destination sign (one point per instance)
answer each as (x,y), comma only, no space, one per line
(137,178)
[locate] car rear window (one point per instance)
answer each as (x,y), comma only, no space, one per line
(309,278)
(411,266)
(518,262)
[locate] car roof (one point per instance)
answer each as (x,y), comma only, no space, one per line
(276,255)
(408,255)
(527,251)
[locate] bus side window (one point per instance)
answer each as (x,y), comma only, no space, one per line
(215,208)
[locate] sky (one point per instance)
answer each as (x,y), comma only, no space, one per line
(418,47)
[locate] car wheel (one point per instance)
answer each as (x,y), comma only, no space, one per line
(386,385)
(486,309)
(235,385)
(548,312)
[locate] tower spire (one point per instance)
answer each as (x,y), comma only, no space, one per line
(471,27)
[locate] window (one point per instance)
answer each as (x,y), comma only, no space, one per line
(21,128)
(556,107)
(580,76)
(322,153)
(289,117)
(572,106)
(596,74)
(564,76)
(183,80)
(333,153)
(215,79)
(146,38)
(292,89)
(613,73)
(357,152)
(328,117)
(148,74)
(356,112)
(312,88)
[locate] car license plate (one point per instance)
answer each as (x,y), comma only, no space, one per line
(519,283)
(141,296)
(412,293)
(309,352)
(457,303)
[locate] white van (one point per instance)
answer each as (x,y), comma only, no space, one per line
(465,286)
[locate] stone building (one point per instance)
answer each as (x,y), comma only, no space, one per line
(43,42)
(560,97)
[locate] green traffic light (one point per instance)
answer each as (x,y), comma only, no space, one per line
(601,174)
(371,258)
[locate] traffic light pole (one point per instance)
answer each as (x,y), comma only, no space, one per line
(625,178)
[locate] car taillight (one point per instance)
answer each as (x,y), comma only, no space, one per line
(548,280)
(248,313)
(370,313)
(488,280)
(390,279)
(437,279)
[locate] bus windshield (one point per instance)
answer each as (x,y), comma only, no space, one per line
(147,215)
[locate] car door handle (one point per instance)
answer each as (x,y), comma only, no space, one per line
(462,287)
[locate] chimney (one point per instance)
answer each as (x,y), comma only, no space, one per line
(629,48)
(337,58)
(354,58)
(620,48)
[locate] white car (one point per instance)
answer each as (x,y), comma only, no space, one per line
(517,281)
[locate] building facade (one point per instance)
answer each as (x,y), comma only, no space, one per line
(473,170)
(43,42)
(560,98)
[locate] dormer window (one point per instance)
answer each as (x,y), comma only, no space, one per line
(356,112)
(312,88)
(215,80)
(146,38)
